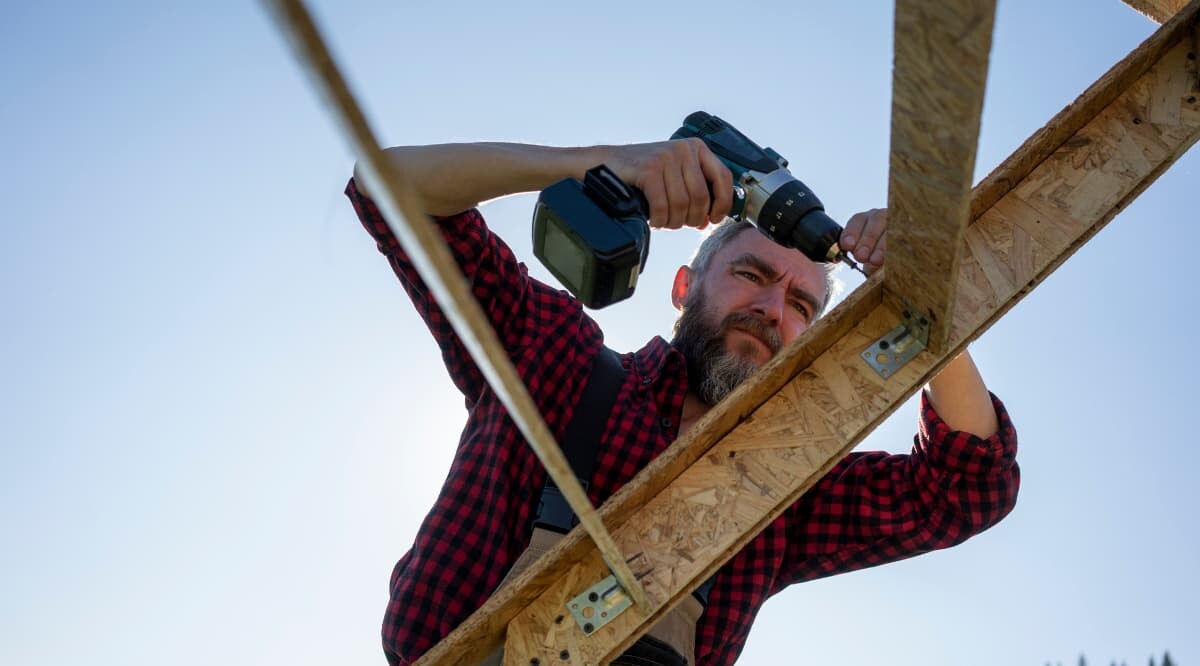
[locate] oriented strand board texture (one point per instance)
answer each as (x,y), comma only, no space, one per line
(937,95)
(765,463)
(1158,10)
(1063,202)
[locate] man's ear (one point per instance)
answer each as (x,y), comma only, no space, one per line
(679,288)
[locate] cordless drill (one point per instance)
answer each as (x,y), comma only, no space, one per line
(593,235)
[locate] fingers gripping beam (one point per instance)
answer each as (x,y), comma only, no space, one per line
(437,267)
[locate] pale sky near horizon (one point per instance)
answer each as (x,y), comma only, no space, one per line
(222,422)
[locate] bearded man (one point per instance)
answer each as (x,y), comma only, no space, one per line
(741,299)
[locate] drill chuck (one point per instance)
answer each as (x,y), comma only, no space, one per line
(789,213)
(779,204)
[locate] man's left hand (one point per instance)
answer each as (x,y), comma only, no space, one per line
(865,237)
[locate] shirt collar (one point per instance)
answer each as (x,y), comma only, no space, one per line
(657,358)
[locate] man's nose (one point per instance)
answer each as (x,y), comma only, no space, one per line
(770,305)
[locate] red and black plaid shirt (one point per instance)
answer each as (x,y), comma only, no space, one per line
(870,509)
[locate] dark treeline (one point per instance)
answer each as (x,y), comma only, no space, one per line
(1166,661)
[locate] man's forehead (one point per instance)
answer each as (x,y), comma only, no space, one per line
(782,259)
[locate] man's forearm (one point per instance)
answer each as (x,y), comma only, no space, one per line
(451,178)
(960,397)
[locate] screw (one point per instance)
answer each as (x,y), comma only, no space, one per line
(883,344)
(558,620)
(593,597)
(587,628)
(564,655)
(534,662)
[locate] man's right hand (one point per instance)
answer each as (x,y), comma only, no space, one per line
(677,177)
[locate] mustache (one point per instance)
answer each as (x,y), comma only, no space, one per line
(754,326)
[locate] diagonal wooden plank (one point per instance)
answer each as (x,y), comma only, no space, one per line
(1041,205)
(1157,10)
(437,267)
(937,96)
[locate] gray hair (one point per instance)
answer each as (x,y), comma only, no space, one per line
(724,232)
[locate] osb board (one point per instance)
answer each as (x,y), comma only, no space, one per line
(1158,10)
(1074,116)
(938,81)
(1071,195)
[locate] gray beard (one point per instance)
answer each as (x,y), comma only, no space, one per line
(713,371)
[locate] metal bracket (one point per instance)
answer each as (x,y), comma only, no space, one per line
(899,345)
(599,604)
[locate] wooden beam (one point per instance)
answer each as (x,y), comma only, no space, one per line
(437,267)
(938,81)
(1157,10)
(785,427)
(1064,125)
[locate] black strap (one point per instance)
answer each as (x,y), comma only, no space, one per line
(649,651)
(581,440)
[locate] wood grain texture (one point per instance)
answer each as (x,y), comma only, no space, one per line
(938,82)
(711,509)
(1157,10)
(424,244)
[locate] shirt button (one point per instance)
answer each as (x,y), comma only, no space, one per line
(666,423)
(647,380)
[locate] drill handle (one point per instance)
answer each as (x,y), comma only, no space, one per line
(738,152)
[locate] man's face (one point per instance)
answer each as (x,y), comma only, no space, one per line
(754,297)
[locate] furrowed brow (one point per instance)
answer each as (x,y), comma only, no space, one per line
(807,297)
(757,263)
(771,275)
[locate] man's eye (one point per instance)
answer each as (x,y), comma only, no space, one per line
(802,308)
(753,277)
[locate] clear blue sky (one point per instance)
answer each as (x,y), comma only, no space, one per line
(221,421)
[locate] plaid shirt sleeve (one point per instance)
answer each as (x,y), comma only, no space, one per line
(871,508)
(520,309)
(877,507)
